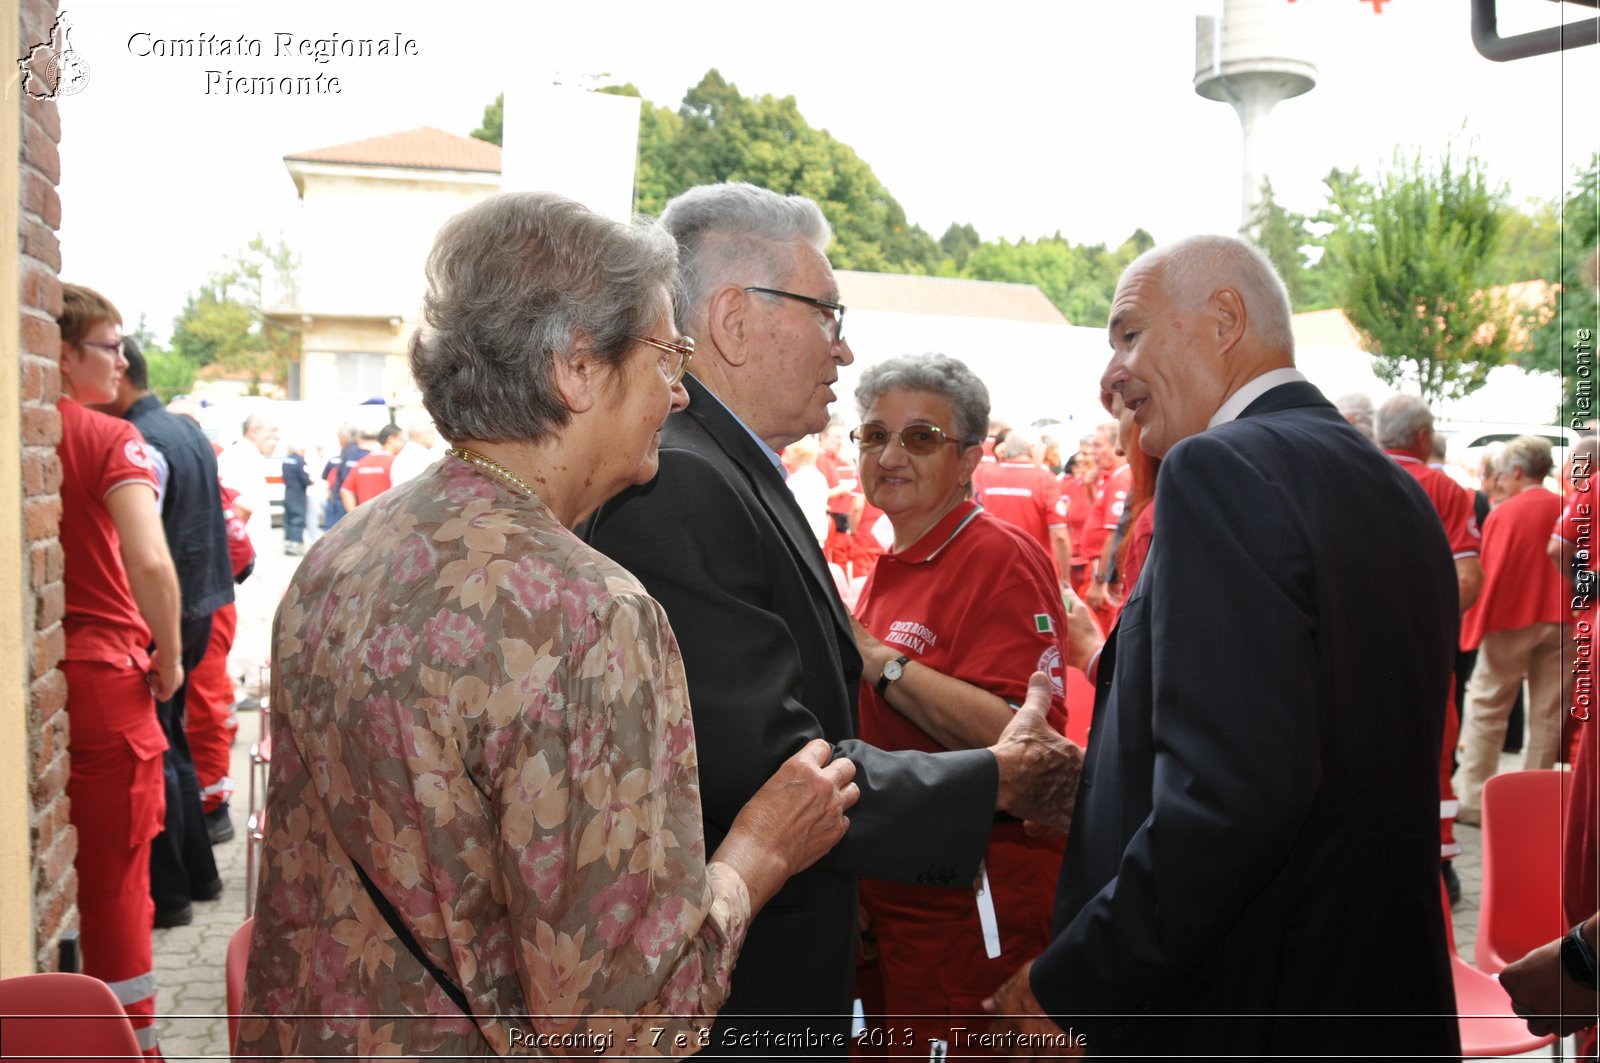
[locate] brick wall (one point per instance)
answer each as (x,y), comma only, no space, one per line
(55,883)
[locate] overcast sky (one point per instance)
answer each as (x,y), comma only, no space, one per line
(1023,118)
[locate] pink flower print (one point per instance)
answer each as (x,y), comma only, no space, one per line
(464,484)
(617,908)
(661,928)
(412,560)
(681,995)
(390,723)
(576,602)
(452,637)
(389,651)
(532,584)
(544,866)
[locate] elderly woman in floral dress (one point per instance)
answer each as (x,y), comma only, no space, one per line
(483,826)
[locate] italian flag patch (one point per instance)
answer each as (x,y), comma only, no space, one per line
(1041,623)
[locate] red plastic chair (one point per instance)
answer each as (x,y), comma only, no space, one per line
(31,1026)
(1489,1028)
(1521,905)
(238,959)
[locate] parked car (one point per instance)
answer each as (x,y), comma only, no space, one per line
(1465,441)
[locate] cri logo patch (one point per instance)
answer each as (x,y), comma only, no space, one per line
(135,452)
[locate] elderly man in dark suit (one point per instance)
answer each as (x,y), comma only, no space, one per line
(1254,866)
(771,660)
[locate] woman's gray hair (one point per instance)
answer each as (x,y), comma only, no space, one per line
(1531,454)
(740,234)
(936,374)
(512,282)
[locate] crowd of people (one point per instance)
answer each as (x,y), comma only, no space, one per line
(655,709)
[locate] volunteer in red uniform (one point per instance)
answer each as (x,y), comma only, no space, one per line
(1116,480)
(1076,498)
(952,620)
(1516,627)
(844,492)
(1403,426)
(1025,494)
(370,477)
(212,724)
(121,589)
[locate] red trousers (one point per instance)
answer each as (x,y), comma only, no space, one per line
(118,800)
(932,968)
(209,722)
(1448,846)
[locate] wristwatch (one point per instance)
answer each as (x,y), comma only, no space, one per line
(1578,958)
(892,671)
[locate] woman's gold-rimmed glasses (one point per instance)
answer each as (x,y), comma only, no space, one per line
(675,355)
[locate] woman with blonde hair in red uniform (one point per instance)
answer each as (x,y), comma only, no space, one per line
(952,620)
(121,589)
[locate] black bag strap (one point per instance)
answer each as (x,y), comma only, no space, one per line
(392,917)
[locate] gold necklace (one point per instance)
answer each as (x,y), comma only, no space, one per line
(472,457)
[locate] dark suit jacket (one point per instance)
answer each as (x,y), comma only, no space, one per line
(1256,831)
(718,539)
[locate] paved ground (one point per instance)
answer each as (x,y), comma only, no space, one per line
(189,960)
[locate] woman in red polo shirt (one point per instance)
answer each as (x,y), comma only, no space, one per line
(953,620)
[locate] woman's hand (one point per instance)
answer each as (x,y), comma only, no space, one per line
(796,817)
(874,654)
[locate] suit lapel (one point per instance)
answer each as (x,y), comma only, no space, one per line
(731,437)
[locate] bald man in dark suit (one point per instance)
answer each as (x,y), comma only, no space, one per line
(1253,869)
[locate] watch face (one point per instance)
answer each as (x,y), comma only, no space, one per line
(893,669)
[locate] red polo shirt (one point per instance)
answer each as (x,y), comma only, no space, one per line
(99,455)
(1520,585)
(1027,496)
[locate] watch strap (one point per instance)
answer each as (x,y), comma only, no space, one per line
(1579,959)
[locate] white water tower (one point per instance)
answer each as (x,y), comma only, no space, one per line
(1252,57)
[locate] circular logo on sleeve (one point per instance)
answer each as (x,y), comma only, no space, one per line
(135,452)
(1050,665)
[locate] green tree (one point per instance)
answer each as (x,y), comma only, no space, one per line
(1285,237)
(958,243)
(1410,259)
(1552,344)
(494,119)
(223,322)
(1530,244)
(171,374)
(1079,279)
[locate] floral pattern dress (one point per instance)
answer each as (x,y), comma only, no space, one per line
(492,720)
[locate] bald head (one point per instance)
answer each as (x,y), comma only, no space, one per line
(1191,323)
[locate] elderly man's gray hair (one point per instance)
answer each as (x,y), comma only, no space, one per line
(739,234)
(1018,443)
(1400,419)
(934,374)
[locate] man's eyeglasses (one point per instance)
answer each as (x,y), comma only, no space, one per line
(835,309)
(112,349)
(918,439)
(675,355)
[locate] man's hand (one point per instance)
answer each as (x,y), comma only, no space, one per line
(1543,993)
(1039,769)
(1017,1011)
